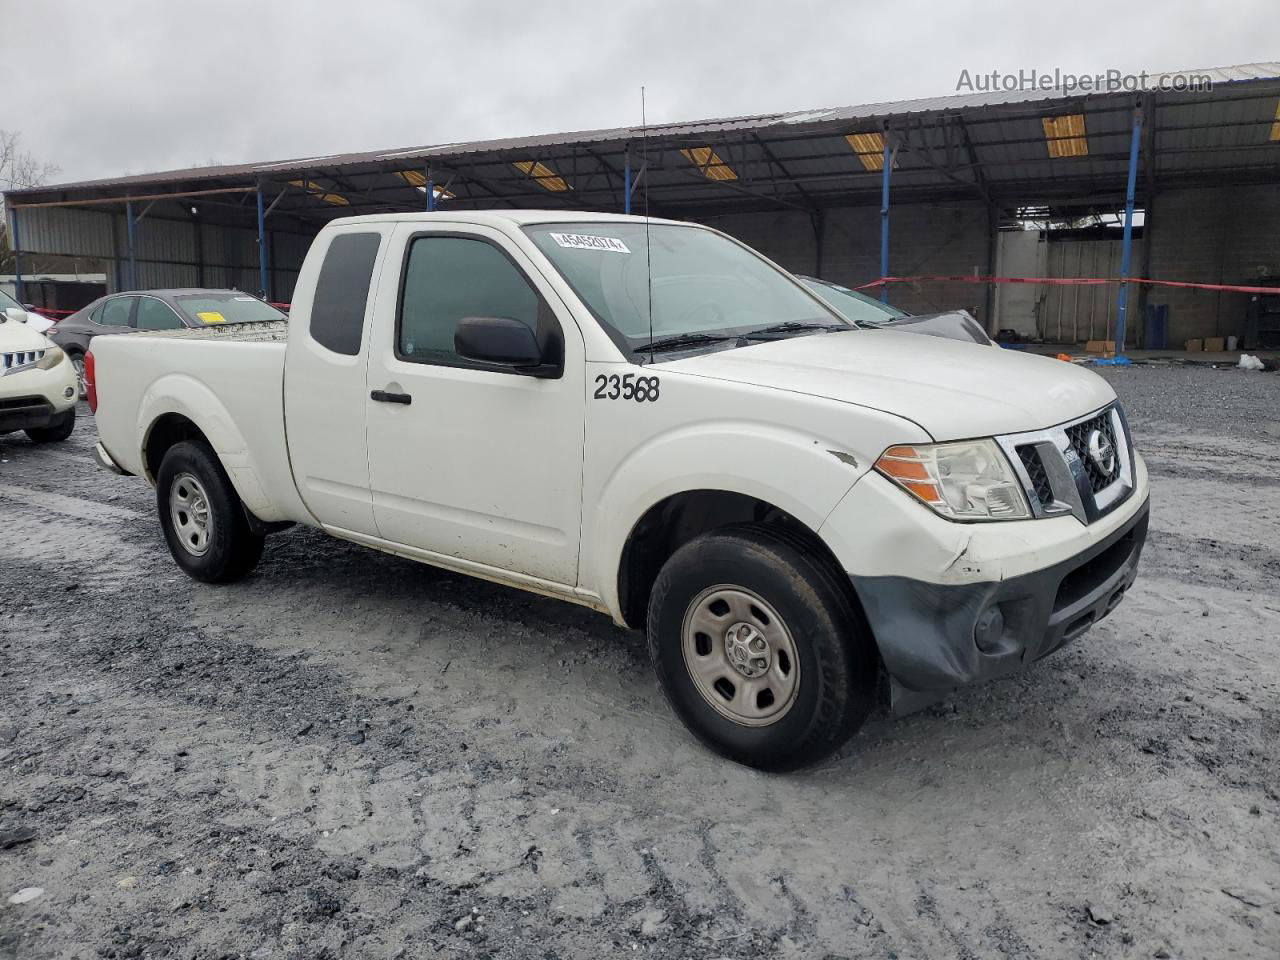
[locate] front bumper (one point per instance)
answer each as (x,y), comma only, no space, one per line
(26,413)
(934,637)
(31,398)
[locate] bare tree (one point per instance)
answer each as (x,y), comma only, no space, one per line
(18,169)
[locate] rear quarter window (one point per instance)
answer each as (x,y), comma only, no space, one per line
(342,292)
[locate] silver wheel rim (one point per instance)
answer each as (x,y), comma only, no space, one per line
(78,364)
(190,513)
(740,655)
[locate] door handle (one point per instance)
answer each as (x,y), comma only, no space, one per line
(383,397)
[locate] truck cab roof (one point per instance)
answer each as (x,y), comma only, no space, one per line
(502,218)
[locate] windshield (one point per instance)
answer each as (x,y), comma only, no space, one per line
(853,305)
(229,307)
(703,283)
(7,302)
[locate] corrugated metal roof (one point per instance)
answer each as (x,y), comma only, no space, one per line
(771,123)
(988,144)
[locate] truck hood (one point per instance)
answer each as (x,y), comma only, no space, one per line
(16,336)
(952,324)
(953,390)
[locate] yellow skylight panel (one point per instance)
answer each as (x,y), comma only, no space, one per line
(869,148)
(541,174)
(709,163)
(337,199)
(415,178)
(1275,127)
(1065,136)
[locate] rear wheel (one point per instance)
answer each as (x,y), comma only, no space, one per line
(759,648)
(77,361)
(59,428)
(202,516)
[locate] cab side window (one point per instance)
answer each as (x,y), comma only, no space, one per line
(448,278)
(156,315)
(115,312)
(342,292)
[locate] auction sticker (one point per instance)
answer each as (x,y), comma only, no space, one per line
(584,241)
(211,316)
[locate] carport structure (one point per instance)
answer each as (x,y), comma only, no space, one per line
(817,190)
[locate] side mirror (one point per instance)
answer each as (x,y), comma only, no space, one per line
(15,314)
(499,340)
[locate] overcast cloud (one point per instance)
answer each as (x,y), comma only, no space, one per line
(131,86)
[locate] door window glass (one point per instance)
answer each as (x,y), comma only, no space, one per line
(156,315)
(449,278)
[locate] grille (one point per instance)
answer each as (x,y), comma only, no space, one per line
(1035,471)
(21,358)
(1078,436)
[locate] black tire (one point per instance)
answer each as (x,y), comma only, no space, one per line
(59,428)
(834,691)
(231,549)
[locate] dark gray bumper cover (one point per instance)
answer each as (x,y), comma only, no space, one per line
(934,638)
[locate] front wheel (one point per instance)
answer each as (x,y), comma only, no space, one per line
(59,428)
(759,648)
(202,516)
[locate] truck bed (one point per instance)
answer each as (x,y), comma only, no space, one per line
(230,378)
(276,331)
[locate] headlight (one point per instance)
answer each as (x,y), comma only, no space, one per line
(52,357)
(968,480)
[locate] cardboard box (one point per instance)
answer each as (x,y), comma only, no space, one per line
(1193,346)
(1104,347)
(1215,344)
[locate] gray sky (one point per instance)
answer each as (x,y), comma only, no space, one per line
(132,86)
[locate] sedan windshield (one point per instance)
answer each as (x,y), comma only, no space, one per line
(229,307)
(858,307)
(7,302)
(705,287)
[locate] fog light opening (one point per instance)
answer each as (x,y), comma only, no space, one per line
(988,631)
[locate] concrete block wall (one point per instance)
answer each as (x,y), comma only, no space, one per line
(924,239)
(1217,235)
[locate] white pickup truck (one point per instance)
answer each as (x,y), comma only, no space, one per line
(654,421)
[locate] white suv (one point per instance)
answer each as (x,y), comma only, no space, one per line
(37,382)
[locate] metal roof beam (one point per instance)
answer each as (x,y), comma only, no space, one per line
(94,201)
(773,160)
(926,154)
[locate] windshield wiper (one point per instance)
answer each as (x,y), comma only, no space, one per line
(681,340)
(792,326)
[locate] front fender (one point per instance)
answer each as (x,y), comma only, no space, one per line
(186,396)
(798,473)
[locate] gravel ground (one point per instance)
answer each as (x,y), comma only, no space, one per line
(349,755)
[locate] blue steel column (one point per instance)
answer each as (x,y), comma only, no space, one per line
(17,258)
(133,264)
(626,182)
(884,223)
(262,247)
(1126,249)
(431,192)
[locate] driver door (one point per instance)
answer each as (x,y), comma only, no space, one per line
(469,460)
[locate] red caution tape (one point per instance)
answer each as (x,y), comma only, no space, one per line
(1072,281)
